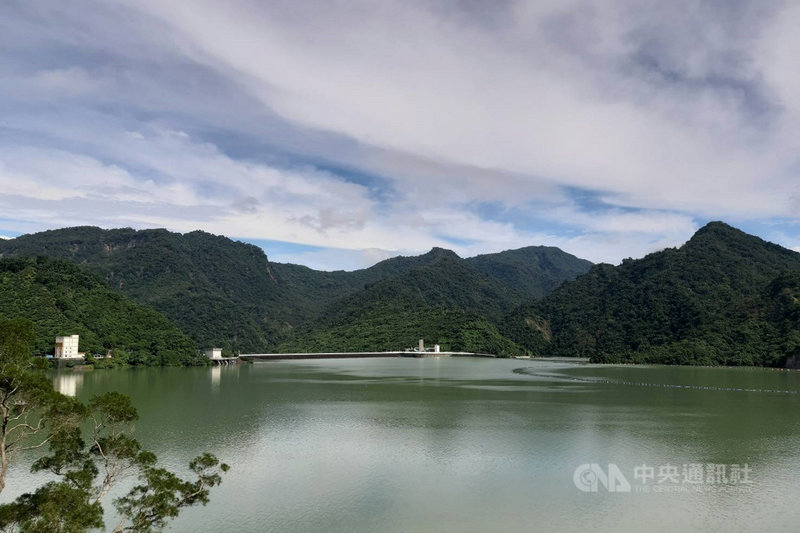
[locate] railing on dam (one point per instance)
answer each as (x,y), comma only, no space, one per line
(354,355)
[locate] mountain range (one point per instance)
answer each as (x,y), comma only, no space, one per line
(724,297)
(227,293)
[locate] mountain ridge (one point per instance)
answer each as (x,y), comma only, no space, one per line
(706,302)
(724,297)
(227,293)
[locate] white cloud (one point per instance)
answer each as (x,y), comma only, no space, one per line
(514,100)
(185,185)
(371,128)
(69,80)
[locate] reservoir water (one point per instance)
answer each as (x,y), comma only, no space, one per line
(471,445)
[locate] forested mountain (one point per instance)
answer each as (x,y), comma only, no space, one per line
(531,272)
(724,297)
(226,293)
(442,298)
(216,290)
(63,299)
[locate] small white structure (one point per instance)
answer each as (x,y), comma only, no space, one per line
(436,348)
(67,347)
(214,353)
(421,345)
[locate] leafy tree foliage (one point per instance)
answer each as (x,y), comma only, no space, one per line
(85,469)
(161,495)
(28,404)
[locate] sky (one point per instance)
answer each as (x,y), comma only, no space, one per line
(338,133)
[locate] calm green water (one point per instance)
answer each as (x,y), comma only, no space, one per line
(468,445)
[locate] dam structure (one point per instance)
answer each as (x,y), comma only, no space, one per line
(418,352)
(354,355)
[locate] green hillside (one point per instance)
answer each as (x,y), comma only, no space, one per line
(212,288)
(220,292)
(391,327)
(226,293)
(532,272)
(443,299)
(725,297)
(63,299)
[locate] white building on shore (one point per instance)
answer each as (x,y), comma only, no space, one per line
(421,348)
(214,353)
(67,347)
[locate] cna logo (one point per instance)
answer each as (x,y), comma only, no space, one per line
(590,476)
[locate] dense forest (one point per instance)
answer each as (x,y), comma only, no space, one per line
(725,297)
(63,299)
(226,293)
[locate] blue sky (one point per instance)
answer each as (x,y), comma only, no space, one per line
(338,133)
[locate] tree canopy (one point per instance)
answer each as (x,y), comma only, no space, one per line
(85,464)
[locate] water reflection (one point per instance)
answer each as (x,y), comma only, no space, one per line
(232,371)
(68,383)
(216,375)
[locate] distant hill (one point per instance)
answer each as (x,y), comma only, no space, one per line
(63,299)
(725,297)
(218,291)
(531,272)
(442,298)
(227,293)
